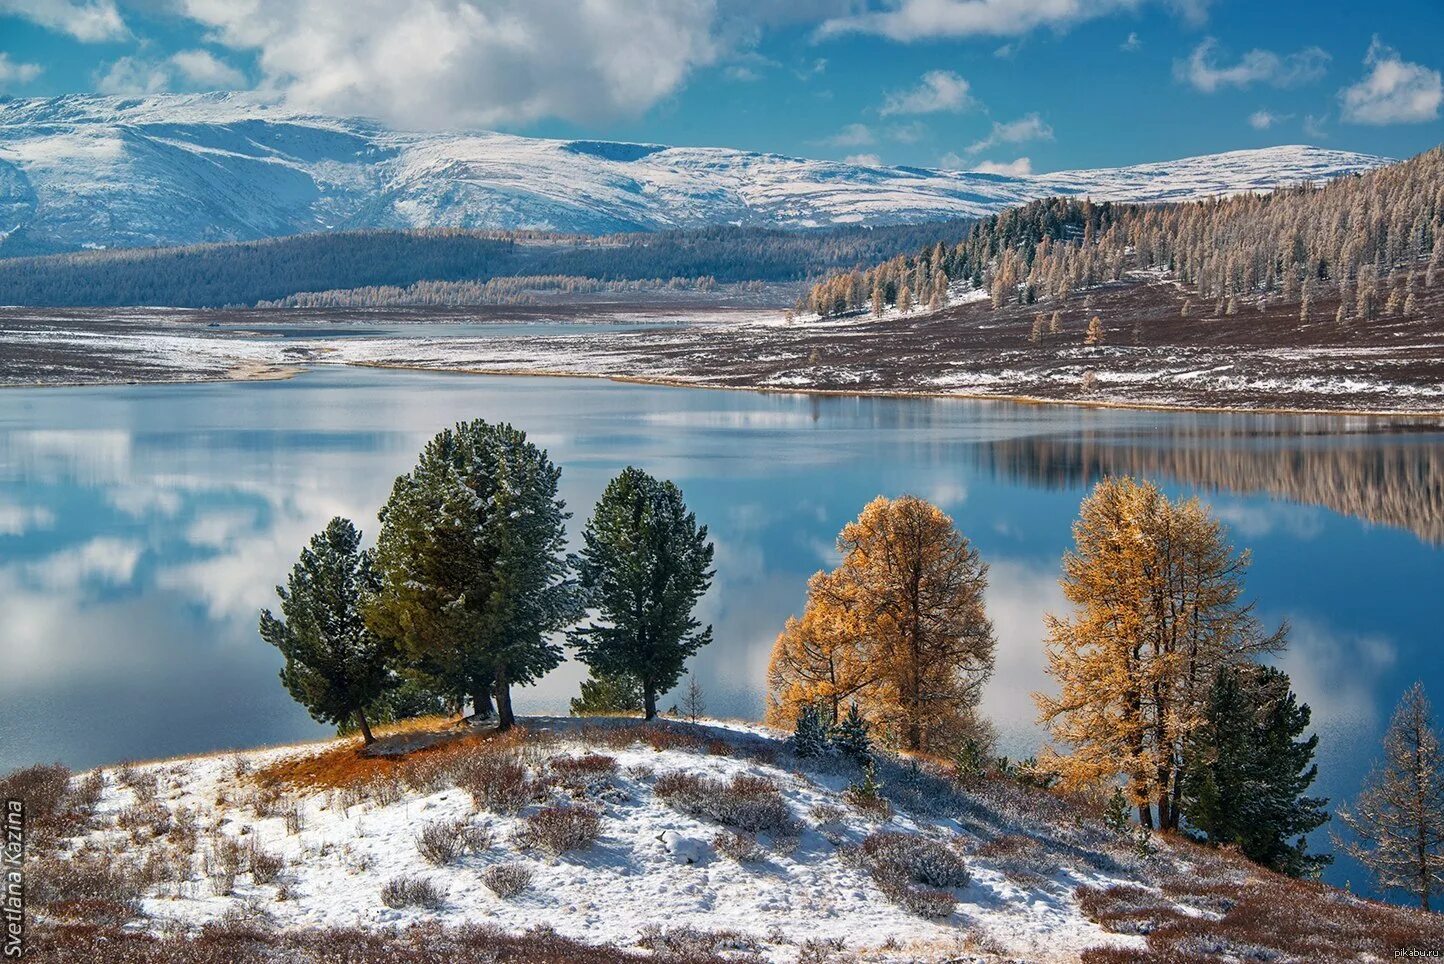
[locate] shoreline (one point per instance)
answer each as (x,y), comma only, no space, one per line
(261,372)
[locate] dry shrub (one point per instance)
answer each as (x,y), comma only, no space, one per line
(143,784)
(92,879)
(222,862)
(507,880)
(52,807)
(1022,859)
(583,773)
(1269,917)
(294,817)
(265,866)
(749,803)
(913,871)
(401,892)
(684,944)
(741,847)
(145,821)
(496,783)
(558,829)
(240,943)
(821,950)
(445,841)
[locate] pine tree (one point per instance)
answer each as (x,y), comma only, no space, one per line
(608,696)
(851,737)
(335,666)
(645,564)
(811,738)
(1250,770)
(1398,819)
(1094,335)
(474,579)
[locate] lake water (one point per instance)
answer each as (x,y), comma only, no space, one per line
(142,528)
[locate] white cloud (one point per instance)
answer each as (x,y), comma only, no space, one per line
(938,91)
(1131,44)
(90,22)
(1262,120)
(105,560)
(863,160)
(853,135)
(1314,126)
(1029,127)
(461,63)
(1021,167)
(1255,67)
(133,75)
(907,20)
(1394,91)
(205,69)
(16,520)
(14,72)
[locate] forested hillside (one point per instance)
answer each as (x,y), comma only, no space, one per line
(1370,239)
(385,262)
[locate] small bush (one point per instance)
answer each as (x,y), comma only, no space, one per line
(507,880)
(740,847)
(265,866)
(583,773)
(912,871)
(1022,859)
(496,783)
(142,783)
(294,817)
(444,841)
(145,820)
(559,829)
(222,863)
(401,892)
(749,803)
(91,875)
(51,809)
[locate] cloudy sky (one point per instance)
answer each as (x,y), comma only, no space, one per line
(1009,85)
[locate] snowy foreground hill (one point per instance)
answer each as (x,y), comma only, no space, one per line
(672,842)
(92,171)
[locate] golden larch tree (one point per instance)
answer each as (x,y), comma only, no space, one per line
(1158,611)
(899,625)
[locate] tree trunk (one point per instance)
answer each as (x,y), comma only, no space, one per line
(504,718)
(481,707)
(366,738)
(1145,816)
(649,701)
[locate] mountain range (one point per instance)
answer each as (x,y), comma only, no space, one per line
(89,171)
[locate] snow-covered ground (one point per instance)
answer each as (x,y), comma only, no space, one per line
(653,865)
(94,171)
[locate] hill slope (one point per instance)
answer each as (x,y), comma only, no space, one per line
(87,171)
(701,843)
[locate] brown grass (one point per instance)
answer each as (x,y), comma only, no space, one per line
(350,765)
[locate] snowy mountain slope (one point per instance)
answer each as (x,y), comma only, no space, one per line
(85,171)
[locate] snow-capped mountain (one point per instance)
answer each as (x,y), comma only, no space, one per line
(88,171)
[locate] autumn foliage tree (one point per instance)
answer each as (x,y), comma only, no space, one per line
(1158,613)
(899,626)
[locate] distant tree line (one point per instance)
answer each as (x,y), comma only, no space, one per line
(512,290)
(1372,239)
(248,272)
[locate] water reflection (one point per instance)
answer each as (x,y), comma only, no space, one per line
(141,528)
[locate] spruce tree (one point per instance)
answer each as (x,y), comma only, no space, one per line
(474,579)
(851,737)
(811,738)
(1250,770)
(335,665)
(1398,819)
(645,564)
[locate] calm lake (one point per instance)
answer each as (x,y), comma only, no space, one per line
(142,528)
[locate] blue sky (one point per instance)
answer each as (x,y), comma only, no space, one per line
(991,84)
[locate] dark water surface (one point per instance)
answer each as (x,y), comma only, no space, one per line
(142,528)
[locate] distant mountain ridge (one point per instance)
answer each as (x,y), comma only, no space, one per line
(93,171)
